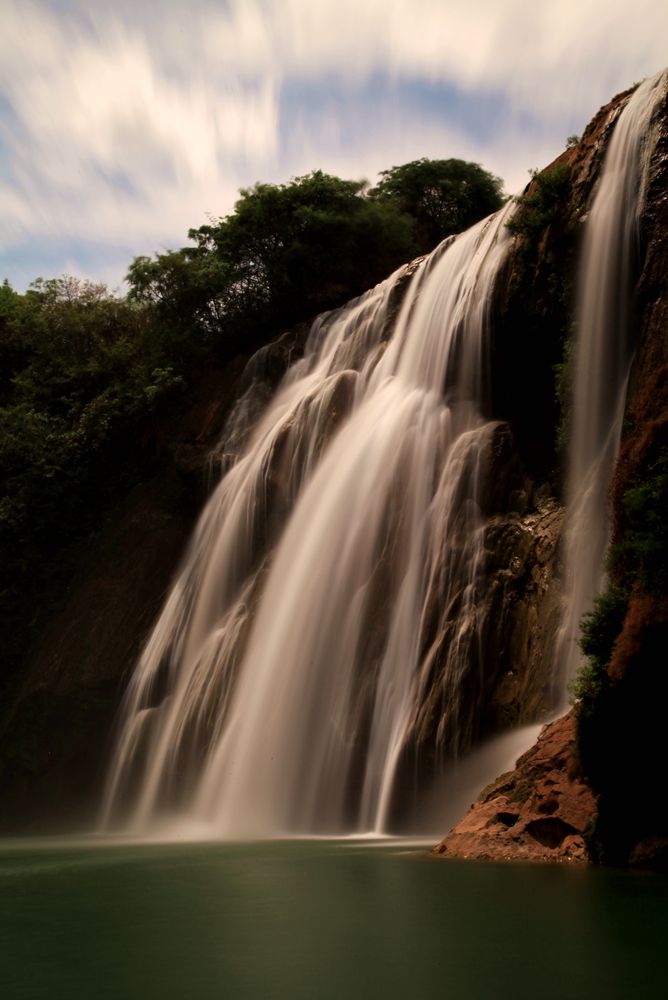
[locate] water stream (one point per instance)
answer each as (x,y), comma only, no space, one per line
(603,357)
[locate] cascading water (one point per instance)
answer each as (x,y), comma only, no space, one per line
(290,669)
(604,351)
(283,677)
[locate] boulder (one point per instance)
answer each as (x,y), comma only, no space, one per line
(537,812)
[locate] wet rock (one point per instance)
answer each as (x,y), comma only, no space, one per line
(507,670)
(652,852)
(538,812)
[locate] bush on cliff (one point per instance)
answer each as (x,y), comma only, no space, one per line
(82,371)
(623,685)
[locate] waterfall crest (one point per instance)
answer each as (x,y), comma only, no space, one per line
(603,356)
(281,682)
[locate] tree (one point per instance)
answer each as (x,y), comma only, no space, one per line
(287,252)
(442,196)
(305,246)
(81,374)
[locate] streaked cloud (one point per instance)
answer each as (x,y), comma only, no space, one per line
(122,125)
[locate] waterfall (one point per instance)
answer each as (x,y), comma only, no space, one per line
(285,687)
(603,355)
(285,676)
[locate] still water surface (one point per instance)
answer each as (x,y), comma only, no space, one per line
(320,919)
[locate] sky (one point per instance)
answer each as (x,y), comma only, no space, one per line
(124,124)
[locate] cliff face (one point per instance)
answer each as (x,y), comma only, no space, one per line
(621,720)
(508,682)
(606,759)
(531,329)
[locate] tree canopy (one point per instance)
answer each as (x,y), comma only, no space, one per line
(291,250)
(286,252)
(441,196)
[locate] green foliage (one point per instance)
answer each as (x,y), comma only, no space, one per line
(287,252)
(620,721)
(599,629)
(291,250)
(310,244)
(442,196)
(82,371)
(638,559)
(641,553)
(543,206)
(601,626)
(595,698)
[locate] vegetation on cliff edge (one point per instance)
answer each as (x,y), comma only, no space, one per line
(623,685)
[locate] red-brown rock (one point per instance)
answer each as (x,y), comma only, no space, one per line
(538,812)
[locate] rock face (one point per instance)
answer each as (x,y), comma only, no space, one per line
(542,809)
(508,680)
(524,609)
(538,812)
(517,613)
(621,733)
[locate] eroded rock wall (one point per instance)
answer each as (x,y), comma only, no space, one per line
(540,811)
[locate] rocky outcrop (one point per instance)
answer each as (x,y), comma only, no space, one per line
(516,614)
(538,812)
(524,609)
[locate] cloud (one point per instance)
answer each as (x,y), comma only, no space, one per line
(103,142)
(548,56)
(123,125)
